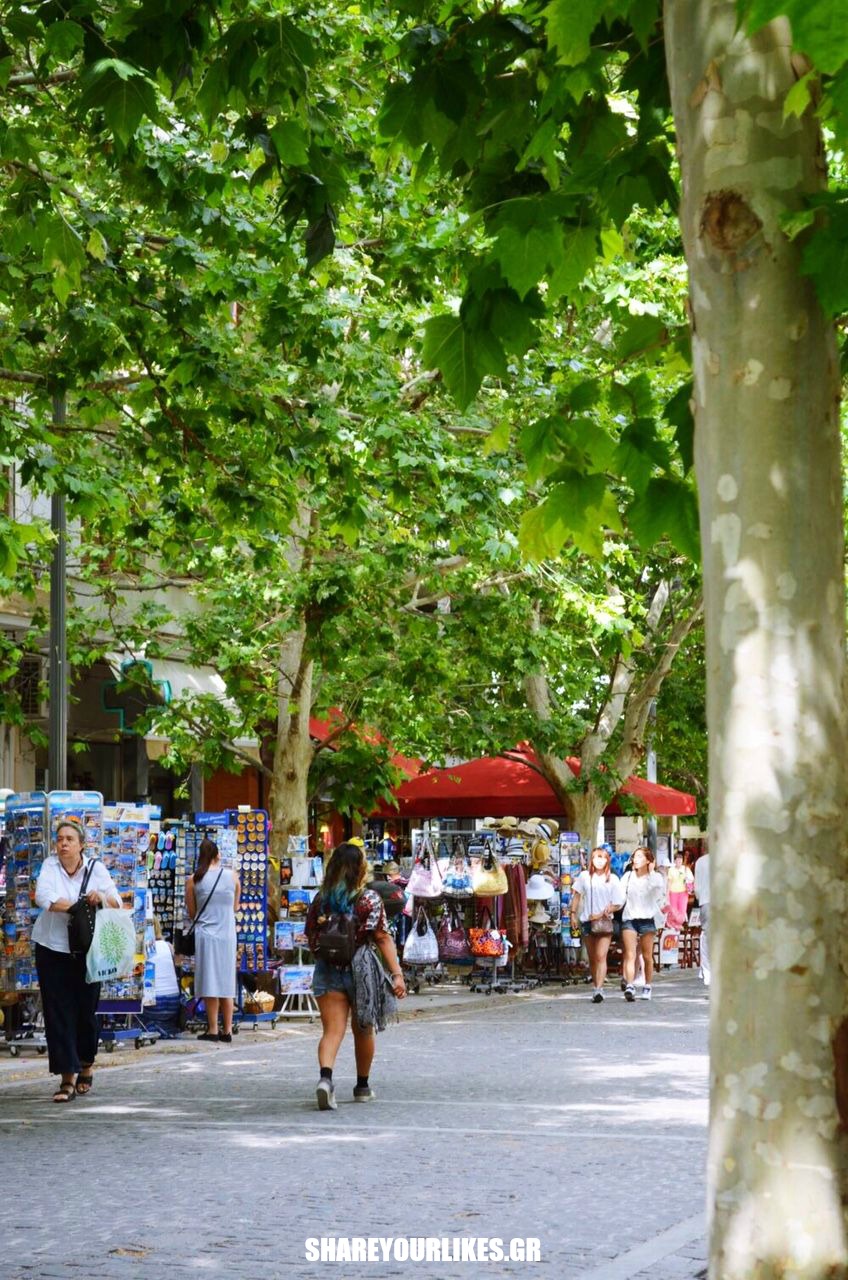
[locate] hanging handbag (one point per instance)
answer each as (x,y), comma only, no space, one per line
(488,877)
(603,927)
(456,882)
(453,941)
(426,878)
(421,947)
(81,916)
(184,941)
(485,941)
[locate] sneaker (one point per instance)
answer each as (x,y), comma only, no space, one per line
(363,1093)
(326,1095)
(630,992)
(597,997)
(225,1037)
(646,993)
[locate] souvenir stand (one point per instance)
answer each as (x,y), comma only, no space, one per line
(120,836)
(25,833)
(242,839)
(572,859)
(166,861)
(300,879)
(250,832)
(488,975)
(125,845)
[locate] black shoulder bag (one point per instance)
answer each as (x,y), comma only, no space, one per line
(81,915)
(184,942)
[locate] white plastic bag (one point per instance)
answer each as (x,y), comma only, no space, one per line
(112,951)
(422,946)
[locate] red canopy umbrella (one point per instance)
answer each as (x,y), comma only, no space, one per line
(336,724)
(494,786)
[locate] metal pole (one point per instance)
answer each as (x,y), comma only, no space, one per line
(651,770)
(57,751)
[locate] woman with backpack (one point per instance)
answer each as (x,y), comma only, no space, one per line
(346,927)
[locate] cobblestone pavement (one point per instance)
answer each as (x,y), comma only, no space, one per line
(539,1115)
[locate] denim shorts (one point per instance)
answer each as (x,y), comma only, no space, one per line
(328,977)
(640,927)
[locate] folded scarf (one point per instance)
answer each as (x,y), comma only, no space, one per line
(373,997)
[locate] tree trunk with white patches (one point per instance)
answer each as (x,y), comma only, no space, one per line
(769,475)
(288,802)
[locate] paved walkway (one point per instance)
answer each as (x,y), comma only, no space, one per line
(538,1115)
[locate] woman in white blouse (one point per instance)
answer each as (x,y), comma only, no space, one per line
(595,896)
(644,895)
(68,1001)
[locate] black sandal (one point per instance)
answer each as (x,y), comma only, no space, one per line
(65,1092)
(85,1083)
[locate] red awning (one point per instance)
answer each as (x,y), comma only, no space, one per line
(494,787)
(321,730)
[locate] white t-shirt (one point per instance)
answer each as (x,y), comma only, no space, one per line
(166,975)
(597,892)
(53,884)
(702,880)
(643,896)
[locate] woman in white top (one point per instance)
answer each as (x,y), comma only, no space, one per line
(644,897)
(68,1001)
(595,896)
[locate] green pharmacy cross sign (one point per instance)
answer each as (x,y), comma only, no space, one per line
(136,678)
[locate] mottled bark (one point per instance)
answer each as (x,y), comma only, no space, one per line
(768,464)
(288,802)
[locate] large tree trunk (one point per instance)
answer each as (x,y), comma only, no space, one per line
(288,802)
(294,751)
(768,466)
(588,811)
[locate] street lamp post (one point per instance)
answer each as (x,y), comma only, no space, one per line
(57,751)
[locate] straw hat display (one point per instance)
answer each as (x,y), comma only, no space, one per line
(540,915)
(539,889)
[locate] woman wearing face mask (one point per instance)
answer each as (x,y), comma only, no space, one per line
(68,1001)
(595,896)
(644,896)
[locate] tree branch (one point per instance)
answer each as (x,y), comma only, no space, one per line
(33,78)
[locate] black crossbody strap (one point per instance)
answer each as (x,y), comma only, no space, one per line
(87,876)
(206,900)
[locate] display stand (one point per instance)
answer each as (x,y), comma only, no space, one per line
(303,875)
(294,982)
(571,861)
(125,846)
(298,1003)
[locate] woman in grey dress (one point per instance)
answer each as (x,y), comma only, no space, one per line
(214,891)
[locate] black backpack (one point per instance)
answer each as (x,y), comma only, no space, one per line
(336,939)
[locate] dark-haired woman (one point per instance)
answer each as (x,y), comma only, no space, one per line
(212,899)
(644,897)
(68,1001)
(344,891)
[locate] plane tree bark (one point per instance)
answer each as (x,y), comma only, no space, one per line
(766,405)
